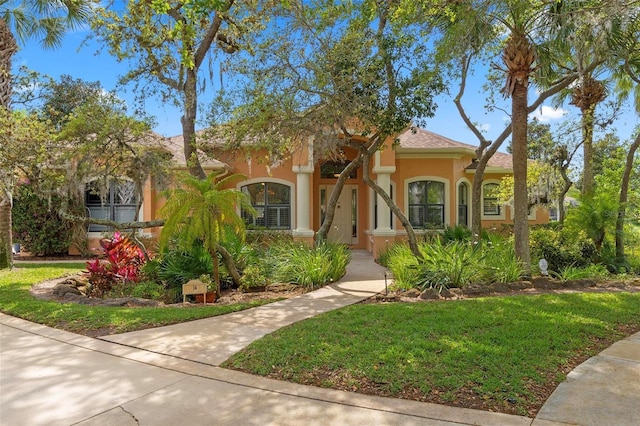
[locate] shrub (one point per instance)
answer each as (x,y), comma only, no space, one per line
(500,263)
(148,290)
(265,238)
(122,263)
(448,265)
(308,266)
(403,265)
(177,266)
(253,276)
(37,225)
(561,248)
(456,233)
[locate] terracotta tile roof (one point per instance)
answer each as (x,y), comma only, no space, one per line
(424,140)
(175,146)
(501,159)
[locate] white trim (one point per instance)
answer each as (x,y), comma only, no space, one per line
(447,195)
(501,216)
(469,203)
(372,206)
(292,194)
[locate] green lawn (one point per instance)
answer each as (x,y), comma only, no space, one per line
(504,354)
(16,300)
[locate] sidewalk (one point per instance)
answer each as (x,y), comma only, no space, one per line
(212,340)
(169,376)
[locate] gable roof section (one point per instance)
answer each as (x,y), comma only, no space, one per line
(175,147)
(420,140)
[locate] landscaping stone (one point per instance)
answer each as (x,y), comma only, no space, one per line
(430,294)
(62,289)
(411,293)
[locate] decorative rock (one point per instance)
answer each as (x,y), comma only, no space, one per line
(411,293)
(448,293)
(475,289)
(62,289)
(430,293)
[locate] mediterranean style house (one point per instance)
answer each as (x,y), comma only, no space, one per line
(427,175)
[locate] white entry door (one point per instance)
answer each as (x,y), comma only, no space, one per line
(344,228)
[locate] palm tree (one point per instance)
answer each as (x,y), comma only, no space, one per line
(587,94)
(198,211)
(518,57)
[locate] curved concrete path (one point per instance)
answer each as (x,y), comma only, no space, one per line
(169,376)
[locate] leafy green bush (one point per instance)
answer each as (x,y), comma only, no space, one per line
(177,266)
(308,266)
(448,265)
(37,225)
(561,248)
(403,265)
(456,233)
(253,276)
(148,290)
(570,273)
(500,263)
(266,238)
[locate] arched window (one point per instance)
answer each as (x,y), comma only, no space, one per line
(490,205)
(118,203)
(426,204)
(272,202)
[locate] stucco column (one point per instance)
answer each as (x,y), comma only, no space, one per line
(384,181)
(303,202)
(383,235)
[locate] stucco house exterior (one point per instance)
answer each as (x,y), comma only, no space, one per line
(427,175)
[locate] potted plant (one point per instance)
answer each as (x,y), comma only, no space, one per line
(212,290)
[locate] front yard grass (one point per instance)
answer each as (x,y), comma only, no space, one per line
(16,300)
(502,354)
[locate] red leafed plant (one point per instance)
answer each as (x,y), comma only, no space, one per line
(122,262)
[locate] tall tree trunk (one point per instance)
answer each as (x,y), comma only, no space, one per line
(6,258)
(520,195)
(562,195)
(588,115)
(8,48)
(624,190)
(188,121)
(231,266)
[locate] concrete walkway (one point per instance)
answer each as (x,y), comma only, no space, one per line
(212,340)
(169,376)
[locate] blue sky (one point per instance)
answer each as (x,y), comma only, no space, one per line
(84,63)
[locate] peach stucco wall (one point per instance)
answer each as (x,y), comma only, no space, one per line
(257,166)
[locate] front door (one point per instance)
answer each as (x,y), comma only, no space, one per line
(344,228)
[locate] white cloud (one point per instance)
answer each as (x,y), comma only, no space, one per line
(484,128)
(547,113)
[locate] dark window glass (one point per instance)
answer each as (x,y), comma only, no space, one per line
(490,205)
(272,202)
(426,204)
(119,203)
